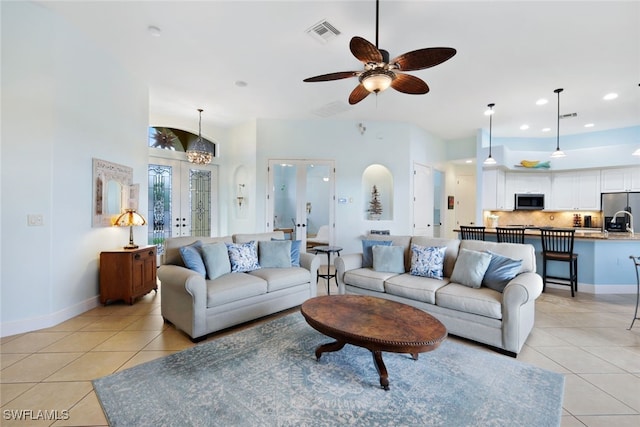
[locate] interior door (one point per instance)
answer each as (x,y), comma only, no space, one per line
(301,198)
(465,200)
(182,200)
(422,200)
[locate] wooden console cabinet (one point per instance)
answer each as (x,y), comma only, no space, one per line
(127,274)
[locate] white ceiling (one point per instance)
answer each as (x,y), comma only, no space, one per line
(509,53)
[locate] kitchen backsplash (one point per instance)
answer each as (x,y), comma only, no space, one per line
(542,218)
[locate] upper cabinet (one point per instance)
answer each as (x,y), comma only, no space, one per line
(575,191)
(493,187)
(621,179)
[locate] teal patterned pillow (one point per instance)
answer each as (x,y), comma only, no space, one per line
(243,256)
(427,261)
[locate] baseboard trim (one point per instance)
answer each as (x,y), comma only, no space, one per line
(604,289)
(49,320)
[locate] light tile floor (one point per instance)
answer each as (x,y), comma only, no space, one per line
(584,338)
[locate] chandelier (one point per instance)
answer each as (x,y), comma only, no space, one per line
(200,151)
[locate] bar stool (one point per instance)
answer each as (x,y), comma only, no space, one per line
(510,234)
(472,232)
(636,262)
(557,245)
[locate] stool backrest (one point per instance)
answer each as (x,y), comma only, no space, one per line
(510,234)
(557,240)
(469,232)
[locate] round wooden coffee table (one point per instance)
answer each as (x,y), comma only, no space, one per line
(373,323)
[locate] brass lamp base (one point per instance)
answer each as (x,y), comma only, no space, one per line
(131,245)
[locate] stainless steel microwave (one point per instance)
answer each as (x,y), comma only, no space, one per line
(528,202)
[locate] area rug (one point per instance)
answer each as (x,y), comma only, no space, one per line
(268,375)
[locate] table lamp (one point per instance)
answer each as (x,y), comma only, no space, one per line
(128,219)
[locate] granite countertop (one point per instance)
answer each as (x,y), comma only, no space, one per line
(581,233)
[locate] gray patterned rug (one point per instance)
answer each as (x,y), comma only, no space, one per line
(268,376)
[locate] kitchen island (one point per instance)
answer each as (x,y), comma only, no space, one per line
(604,266)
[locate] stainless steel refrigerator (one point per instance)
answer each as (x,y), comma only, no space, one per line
(614,202)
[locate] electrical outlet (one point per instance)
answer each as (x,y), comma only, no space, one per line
(35,220)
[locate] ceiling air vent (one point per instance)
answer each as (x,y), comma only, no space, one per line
(332,109)
(323,31)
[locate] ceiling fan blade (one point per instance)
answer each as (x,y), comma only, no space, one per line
(358,94)
(332,76)
(412,85)
(364,51)
(423,58)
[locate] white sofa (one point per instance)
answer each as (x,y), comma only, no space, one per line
(501,320)
(199,306)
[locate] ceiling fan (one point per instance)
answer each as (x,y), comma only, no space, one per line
(379,73)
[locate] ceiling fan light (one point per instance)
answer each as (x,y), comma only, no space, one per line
(376,81)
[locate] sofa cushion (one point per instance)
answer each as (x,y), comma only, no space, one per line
(192,257)
(470,268)
(526,252)
(414,287)
(501,270)
(243,256)
(367,250)
(281,278)
(367,278)
(388,258)
(402,241)
(274,254)
(483,301)
(234,287)
(450,254)
(246,238)
(427,261)
(172,247)
(216,259)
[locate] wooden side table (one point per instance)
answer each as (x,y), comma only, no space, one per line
(126,274)
(328,250)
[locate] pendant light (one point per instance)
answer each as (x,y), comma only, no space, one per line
(558,153)
(200,151)
(490,160)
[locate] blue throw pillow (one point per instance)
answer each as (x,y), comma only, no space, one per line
(274,254)
(192,257)
(388,259)
(500,271)
(427,261)
(367,254)
(243,256)
(216,259)
(295,252)
(470,268)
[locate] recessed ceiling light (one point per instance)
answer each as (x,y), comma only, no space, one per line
(589,125)
(524,127)
(241,83)
(541,101)
(546,129)
(154,31)
(610,96)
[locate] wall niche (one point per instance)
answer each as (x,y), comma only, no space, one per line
(378,203)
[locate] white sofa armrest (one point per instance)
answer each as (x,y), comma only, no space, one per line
(518,309)
(184,299)
(345,263)
(312,263)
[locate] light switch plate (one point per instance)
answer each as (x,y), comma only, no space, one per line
(35,220)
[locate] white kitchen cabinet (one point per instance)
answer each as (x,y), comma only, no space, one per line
(493,190)
(526,182)
(578,190)
(620,179)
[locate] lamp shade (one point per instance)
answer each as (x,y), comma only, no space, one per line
(128,219)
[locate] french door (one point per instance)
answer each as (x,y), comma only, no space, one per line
(301,198)
(182,200)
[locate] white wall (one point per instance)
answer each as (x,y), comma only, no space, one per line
(393,145)
(63,103)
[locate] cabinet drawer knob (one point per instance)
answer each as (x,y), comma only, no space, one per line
(137,256)
(150,252)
